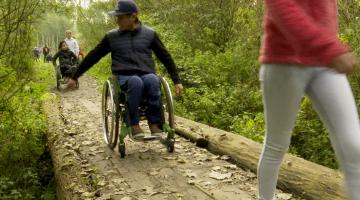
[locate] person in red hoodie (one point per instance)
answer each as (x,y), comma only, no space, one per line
(302,55)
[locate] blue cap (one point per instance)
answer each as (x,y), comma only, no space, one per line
(124,7)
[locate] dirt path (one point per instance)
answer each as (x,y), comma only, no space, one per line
(148,172)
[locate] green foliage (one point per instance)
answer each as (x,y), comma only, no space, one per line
(93,23)
(221,106)
(51,30)
(249,126)
(204,25)
(23,129)
(10,189)
(22,125)
(313,137)
(102,70)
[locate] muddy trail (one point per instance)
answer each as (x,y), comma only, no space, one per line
(86,168)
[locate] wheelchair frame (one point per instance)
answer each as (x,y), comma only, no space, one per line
(59,78)
(115,117)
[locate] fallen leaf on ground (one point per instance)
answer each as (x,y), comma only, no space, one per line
(219,176)
(216,168)
(231,166)
(126,198)
(191,175)
(225,157)
(284,196)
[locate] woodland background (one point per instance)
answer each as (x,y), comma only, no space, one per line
(215,44)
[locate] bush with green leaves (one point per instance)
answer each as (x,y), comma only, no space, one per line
(22,139)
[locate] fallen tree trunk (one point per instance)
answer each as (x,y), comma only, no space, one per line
(303,178)
(69,184)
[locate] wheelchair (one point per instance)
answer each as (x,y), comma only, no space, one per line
(116,121)
(61,78)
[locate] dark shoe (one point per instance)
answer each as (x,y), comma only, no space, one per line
(155,130)
(136,132)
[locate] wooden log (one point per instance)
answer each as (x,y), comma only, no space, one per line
(298,176)
(69,184)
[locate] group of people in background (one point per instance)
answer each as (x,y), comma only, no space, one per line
(46,51)
(69,40)
(68,53)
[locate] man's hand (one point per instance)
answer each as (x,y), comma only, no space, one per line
(71,84)
(179,88)
(344,63)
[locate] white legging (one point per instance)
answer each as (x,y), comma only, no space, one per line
(283,88)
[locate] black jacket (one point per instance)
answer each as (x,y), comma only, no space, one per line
(131,53)
(66,58)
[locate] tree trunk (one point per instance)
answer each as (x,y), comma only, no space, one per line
(303,178)
(66,168)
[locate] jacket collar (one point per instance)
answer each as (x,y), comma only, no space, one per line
(137,29)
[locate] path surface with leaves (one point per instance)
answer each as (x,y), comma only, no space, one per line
(148,172)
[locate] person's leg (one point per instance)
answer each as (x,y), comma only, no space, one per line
(283,88)
(152,95)
(332,97)
(134,87)
(63,69)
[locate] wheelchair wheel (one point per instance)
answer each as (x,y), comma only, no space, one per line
(167,115)
(122,150)
(71,71)
(110,114)
(170,144)
(58,77)
(167,103)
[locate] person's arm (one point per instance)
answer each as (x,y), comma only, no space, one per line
(303,31)
(93,57)
(77,48)
(54,58)
(74,58)
(165,58)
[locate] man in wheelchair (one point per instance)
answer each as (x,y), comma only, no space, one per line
(67,60)
(131,47)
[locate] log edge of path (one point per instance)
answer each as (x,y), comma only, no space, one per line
(299,176)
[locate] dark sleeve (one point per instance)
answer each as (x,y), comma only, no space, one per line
(54,58)
(165,58)
(93,57)
(75,59)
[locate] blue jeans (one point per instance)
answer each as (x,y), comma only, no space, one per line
(139,87)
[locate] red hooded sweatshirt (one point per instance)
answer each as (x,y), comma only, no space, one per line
(300,32)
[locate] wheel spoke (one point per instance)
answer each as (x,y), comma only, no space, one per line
(109,110)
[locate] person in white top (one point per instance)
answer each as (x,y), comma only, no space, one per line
(72,43)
